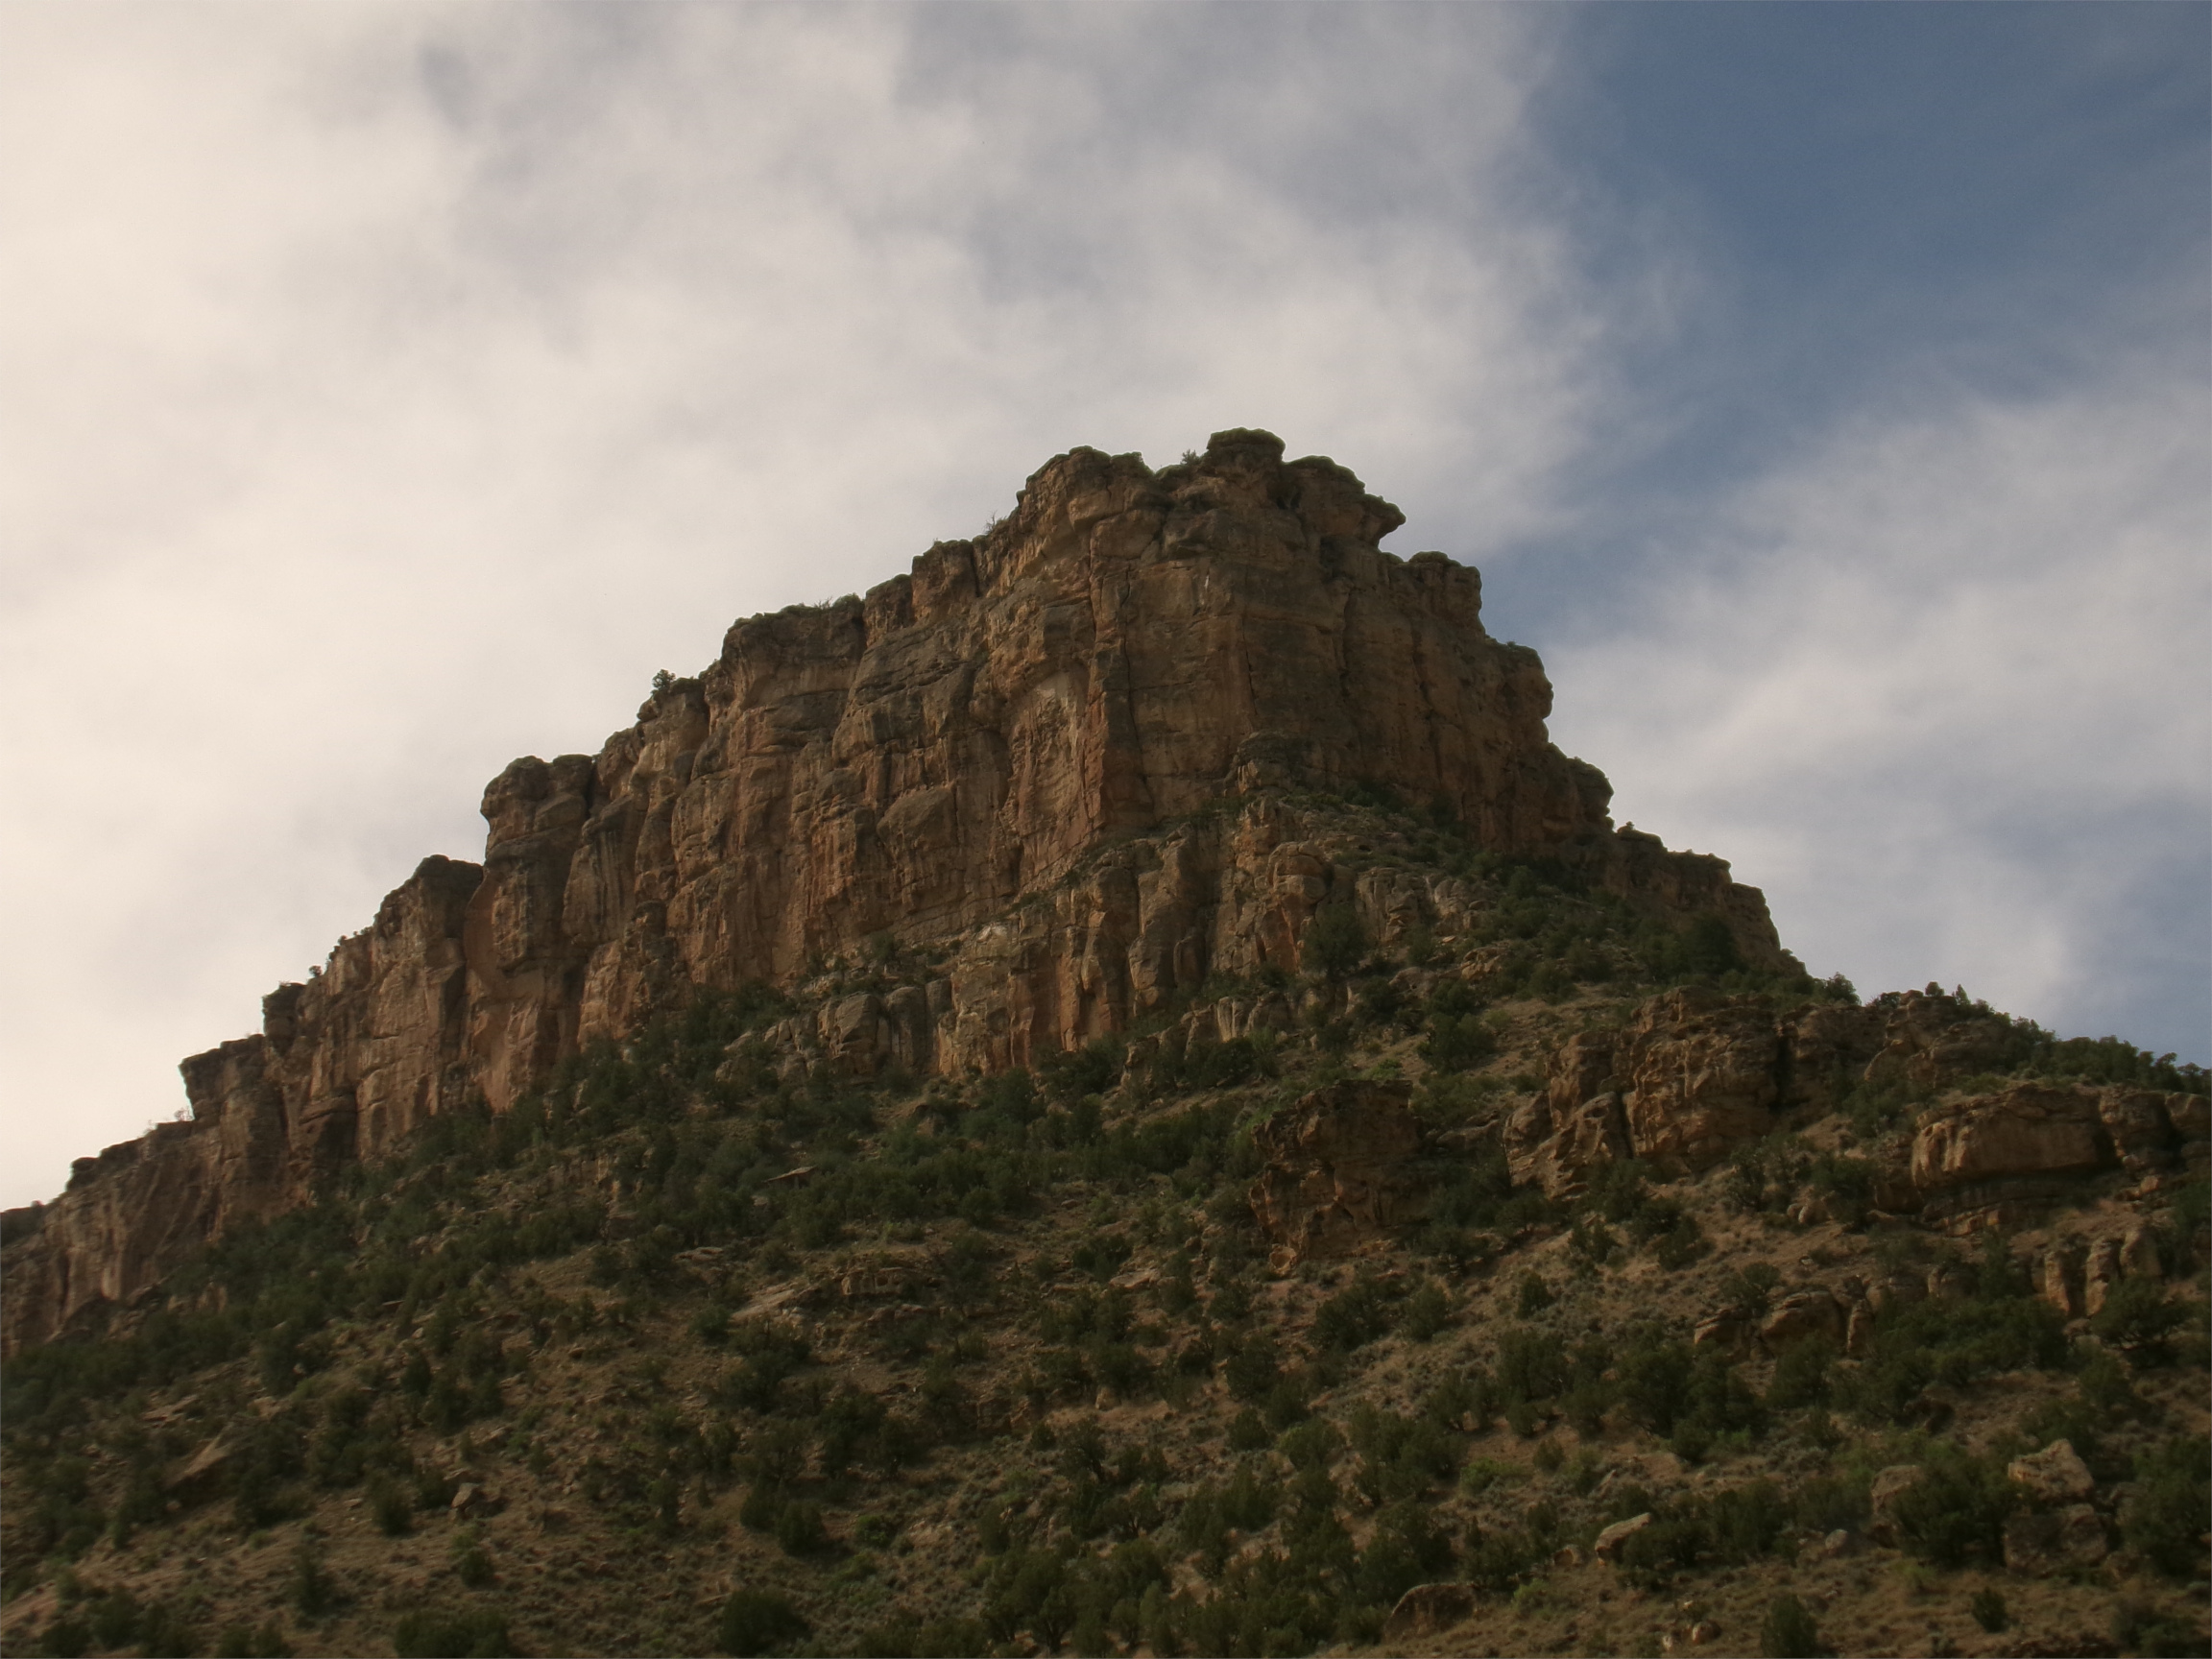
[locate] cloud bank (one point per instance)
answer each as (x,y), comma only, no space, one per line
(1939,685)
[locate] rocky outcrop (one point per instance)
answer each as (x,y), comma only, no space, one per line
(1013,760)
(1340,1170)
(1974,1154)
(1693,1075)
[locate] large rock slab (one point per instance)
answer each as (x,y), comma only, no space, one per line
(2025,1142)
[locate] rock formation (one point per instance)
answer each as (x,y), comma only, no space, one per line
(1340,1170)
(1017,754)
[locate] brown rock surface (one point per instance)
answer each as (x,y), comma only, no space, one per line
(1889,1485)
(1800,1314)
(2052,1475)
(1610,1541)
(2040,1545)
(1704,1076)
(1973,1152)
(1007,748)
(1339,1168)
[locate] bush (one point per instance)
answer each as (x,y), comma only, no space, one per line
(2139,1320)
(1956,1509)
(1458,1042)
(471,1633)
(2140,1629)
(1788,1631)
(1334,943)
(2164,1519)
(392,1506)
(247,1642)
(315,1594)
(1352,1318)
(799,1529)
(758,1622)
(1988,1610)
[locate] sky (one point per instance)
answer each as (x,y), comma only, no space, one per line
(388,390)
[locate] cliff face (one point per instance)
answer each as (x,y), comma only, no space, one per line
(1003,754)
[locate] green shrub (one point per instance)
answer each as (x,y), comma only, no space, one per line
(1352,1317)
(2141,1629)
(392,1506)
(1957,1510)
(1801,1374)
(1458,1042)
(467,1633)
(251,1642)
(799,1529)
(758,1622)
(1254,1368)
(2139,1320)
(2164,1517)
(1988,1610)
(1788,1631)
(1334,943)
(1426,1312)
(315,1594)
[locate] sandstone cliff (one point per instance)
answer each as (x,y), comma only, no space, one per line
(1016,755)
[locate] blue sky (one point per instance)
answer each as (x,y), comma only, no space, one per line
(393,388)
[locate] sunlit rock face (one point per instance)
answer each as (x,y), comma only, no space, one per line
(1064,759)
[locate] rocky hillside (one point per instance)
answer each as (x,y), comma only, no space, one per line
(1115,1094)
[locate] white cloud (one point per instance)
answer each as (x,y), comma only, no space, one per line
(393,389)
(1939,687)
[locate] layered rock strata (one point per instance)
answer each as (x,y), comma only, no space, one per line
(1013,753)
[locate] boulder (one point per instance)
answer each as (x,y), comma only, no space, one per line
(1858,1331)
(1725,1328)
(2099,1274)
(2041,1544)
(1609,1542)
(1429,1610)
(472,1499)
(1800,1314)
(1889,1485)
(2052,1476)
(2139,1254)
(2060,1283)
(204,1472)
